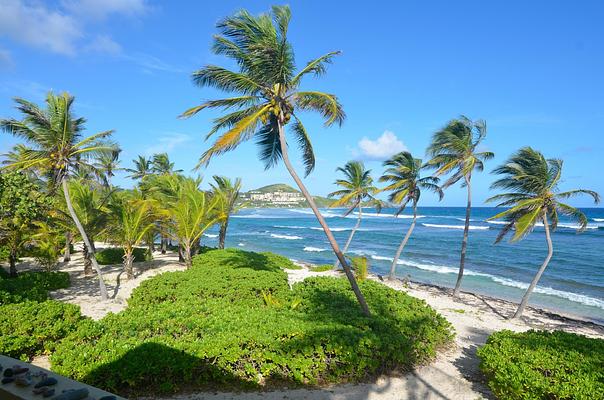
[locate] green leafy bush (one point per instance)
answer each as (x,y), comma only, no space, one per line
(321,268)
(115,255)
(232,319)
(32,328)
(543,365)
(360,266)
(31,285)
(280,261)
(4,253)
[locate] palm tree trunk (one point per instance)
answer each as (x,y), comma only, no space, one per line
(464,242)
(356,226)
(222,233)
(78,224)
(87,261)
(164,245)
(403,244)
(186,254)
(128,260)
(315,210)
(12,262)
(550,253)
(67,251)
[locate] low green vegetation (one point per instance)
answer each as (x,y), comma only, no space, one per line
(30,286)
(115,255)
(232,319)
(543,365)
(321,268)
(32,328)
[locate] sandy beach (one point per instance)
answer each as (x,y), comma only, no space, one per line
(453,375)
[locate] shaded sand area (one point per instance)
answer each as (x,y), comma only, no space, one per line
(453,375)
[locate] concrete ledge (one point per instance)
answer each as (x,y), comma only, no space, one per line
(10,391)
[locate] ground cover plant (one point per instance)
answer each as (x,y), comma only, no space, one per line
(232,319)
(543,365)
(115,255)
(31,285)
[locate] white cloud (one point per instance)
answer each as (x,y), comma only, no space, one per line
(150,63)
(382,148)
(100,9)
(35,25)
(167,143)
(104,44)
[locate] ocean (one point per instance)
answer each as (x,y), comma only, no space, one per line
(573,283)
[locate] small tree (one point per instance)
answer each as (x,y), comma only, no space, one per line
(229,192)
(131,219)
(22,203)
(533,198)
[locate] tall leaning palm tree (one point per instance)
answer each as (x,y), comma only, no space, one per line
(455,149)
(106,164)
(534,198)
(229,192)
(161,164)
(405,184)
(357,188)
(266,99)
(56,145)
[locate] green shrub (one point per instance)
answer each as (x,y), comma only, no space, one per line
(232,319)
(321,268)
(280,260)
(115,255)
(543,365)
(32,286)
(32,328)
(360,266)
(4,253)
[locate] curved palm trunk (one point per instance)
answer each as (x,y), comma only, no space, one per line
(67,251)
(12,262)
(78,224)
(550,253)
(403,244)
(315,210)
(186,255)
(356,226)
(464,243)
(222,233)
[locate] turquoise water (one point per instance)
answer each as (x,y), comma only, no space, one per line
(573,282)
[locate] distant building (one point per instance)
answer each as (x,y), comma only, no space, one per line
(276,198)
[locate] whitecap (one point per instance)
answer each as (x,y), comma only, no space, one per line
(314,249)
(471,227)
(210,235)
(598,219)
(287,237)
(241,244)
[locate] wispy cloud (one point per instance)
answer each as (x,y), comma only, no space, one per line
(24,88)
(151,63)
(381,148)
(167,142)
(63,29)
(6,60)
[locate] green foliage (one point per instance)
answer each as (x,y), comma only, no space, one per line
(543,365)
(32,328)
(4,252)
(232,319)
(281,261)
(360,266)
(321,268)
(115,255)
(33,286)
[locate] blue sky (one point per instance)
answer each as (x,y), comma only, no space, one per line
(532,70)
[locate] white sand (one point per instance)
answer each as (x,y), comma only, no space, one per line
(453,375)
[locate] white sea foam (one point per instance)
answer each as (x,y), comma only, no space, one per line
(287,237)
(289,227)
(598,219)
(497,222)
(471,227)
(384,215)
(325,214)
(362,252)
(314,249)
(442,269)
(210,235)
(241,244)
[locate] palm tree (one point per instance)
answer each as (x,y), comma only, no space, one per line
(229,192)
(132,218)
(191,214)
(455,149)
(56,146)
(357,188)
(266,99)
(534,198)
(142,168)
(105,166)
(403,173)
(162,165)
